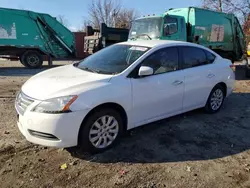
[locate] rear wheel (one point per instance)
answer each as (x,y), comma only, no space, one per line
(215,99)
(32,59)
(100,131)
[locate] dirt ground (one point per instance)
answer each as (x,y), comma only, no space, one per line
(190,150)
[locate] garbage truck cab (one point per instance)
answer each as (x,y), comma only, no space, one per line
(218,31)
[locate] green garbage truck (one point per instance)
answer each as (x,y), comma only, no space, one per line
(30,36)
(216,30)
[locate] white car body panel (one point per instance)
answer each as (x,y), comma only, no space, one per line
(157,96)
(143,99)
(53,83)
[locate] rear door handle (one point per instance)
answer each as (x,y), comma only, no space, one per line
(210,75)
(177,82)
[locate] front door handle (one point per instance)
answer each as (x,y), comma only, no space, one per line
(177,82)
(210,75)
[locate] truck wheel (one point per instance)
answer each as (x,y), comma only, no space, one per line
(20,59)
(32,59)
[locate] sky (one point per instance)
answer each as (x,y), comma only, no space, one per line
(75,11)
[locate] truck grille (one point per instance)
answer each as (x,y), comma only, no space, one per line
(22,102)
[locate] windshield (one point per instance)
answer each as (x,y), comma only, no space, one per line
(150,26)
(113,59)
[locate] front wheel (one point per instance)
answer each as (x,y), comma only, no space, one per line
(215,99)
(100,131)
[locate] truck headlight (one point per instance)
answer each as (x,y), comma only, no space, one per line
(55,105)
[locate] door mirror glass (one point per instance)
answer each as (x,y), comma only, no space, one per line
(145,71)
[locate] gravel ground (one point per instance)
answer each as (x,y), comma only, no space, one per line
(190,150)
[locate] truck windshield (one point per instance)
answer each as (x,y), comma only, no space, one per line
(113,59)
(149,26)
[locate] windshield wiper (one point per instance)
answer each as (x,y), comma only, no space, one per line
(90,70)
(96,71)
(143,34)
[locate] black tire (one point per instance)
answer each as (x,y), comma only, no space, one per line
(247,71)
(209,107)
(22,62)
(84,142)
(32,59)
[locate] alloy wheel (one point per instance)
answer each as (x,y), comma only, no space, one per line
(104,131)
(216,99)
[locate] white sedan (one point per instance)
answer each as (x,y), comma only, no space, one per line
(91,103)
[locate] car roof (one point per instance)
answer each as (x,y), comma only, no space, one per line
(152,43)
(163,43)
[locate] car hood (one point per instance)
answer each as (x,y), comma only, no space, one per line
(61,81)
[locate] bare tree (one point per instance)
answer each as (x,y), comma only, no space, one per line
(213,5)
(63,20)
(111,13)
(246,28)
(241,8)
(238,7)
(125,17)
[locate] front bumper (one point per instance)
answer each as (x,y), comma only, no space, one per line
(64,127)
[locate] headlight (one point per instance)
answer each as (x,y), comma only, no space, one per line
(55,105)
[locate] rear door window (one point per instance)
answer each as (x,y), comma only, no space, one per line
(193,57)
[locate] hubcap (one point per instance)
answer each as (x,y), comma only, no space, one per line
(33,60)
(104,131)
(216,99)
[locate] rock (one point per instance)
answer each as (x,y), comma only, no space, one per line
(41,160)
(73,163)
(247,169)
(6,132)
(6,171)
(35,176)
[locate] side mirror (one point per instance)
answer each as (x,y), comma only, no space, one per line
(145,71)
